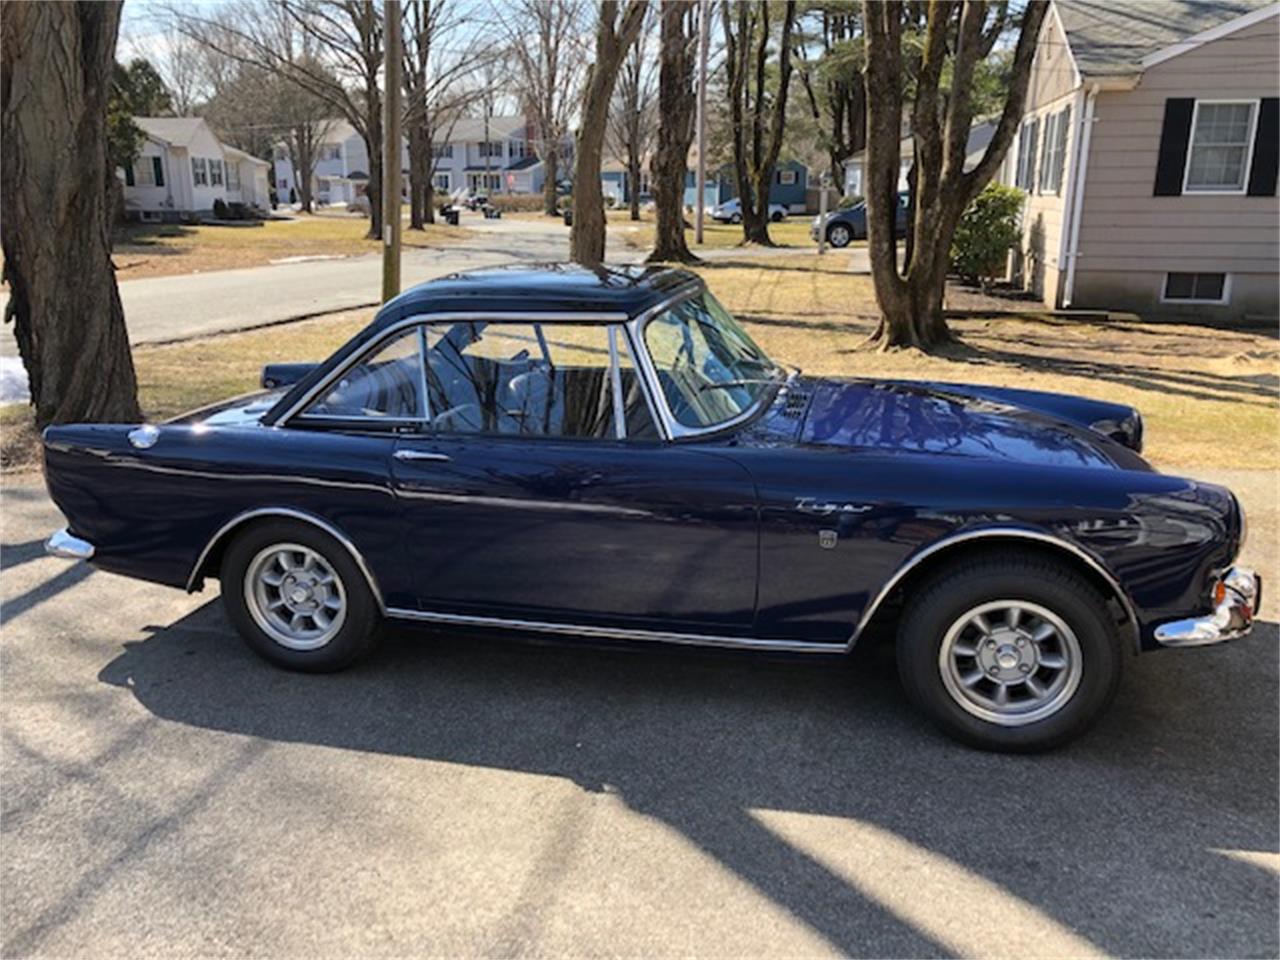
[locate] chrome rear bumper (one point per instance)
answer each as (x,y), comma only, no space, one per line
(63,544)
(1231,619)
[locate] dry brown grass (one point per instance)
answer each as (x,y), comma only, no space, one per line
(1209,397)
(169,249)
(792,232)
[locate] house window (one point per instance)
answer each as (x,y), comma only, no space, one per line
(1196,288)
(233,176)
(330,151)
(142,173)
(1027,142)
(1221,144)
(492,148)
(519,149)
(787,178)
(1054,157)
(441,182)
(215,173)
(199,172)
(442,151)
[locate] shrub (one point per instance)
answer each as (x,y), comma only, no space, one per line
(517,202)
(988,230)
(220,210)
(849,201)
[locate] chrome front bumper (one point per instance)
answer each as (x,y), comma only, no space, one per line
(63,544)
(1231,619)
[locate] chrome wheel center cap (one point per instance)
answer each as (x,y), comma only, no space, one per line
(1007,657)
(300,594)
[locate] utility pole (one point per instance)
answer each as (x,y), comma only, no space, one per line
(704,38)
(391,153)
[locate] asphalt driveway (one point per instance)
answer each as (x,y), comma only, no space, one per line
(165,793)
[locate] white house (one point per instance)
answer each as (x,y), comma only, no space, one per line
(477,155)
(183,168)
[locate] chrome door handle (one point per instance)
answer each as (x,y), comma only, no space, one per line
(419,455)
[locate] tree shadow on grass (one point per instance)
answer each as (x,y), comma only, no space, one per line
(1093,840)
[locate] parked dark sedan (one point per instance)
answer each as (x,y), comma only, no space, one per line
(607,454)
(844,226)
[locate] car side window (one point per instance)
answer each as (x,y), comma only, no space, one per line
(529,379)
(386,385)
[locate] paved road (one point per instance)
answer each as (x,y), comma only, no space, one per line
(174,308)
(165,793)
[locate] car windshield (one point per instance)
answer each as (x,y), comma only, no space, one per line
(709,369)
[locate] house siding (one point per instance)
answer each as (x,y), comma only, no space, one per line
(1129,238)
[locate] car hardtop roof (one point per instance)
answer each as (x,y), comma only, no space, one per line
(560,288)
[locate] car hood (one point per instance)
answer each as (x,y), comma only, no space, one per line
(1045,429)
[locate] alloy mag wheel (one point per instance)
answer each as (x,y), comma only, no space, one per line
(1010,662)
(295,596)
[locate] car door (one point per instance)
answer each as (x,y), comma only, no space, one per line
(544,493)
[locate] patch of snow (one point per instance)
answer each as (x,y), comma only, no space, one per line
(310,257)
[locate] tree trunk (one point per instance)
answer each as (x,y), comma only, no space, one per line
(551,170)
(373,146)
(911,301)
(676,105)
(304,165)
(55,77)
(419,174)
(633,180)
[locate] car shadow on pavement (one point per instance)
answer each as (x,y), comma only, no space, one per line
(1123,843)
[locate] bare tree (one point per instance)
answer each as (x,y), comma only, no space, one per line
(331,49)
(833,82)
(633,116)
(757,104)
(957,35)
(63,300)
(439,56)
(542,38)
(616,31)
(182,66)
(676,104)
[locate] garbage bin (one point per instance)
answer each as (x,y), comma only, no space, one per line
(568,216)
(451,216)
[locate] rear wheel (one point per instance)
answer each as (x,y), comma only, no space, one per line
(298,598)
(839,235)
(1018,653)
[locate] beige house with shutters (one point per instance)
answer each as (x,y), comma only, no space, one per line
(1148,153)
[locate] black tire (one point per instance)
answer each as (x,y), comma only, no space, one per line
(839,235)
(361,625)
(950,595)
(775,217)
(736,218)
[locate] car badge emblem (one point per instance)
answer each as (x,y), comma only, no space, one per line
(827,539)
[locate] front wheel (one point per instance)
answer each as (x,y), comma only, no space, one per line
(838,235)
(776,216)
(1018,653)
(736,218)
(298,598)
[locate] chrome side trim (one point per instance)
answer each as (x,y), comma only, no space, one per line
(989,533)
(292,514)
(63,544)
(428,318)
(617,633)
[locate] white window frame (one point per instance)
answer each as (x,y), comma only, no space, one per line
(1254,102)
(1226,289)
(216,166)
(199,172)
(783,176)
(436,178)
(228,166)
(330,152)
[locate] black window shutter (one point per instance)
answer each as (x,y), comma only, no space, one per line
(157,167)
(1266,150)
(1174,139)
(128,174)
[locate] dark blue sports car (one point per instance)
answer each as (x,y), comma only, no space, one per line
(606,453)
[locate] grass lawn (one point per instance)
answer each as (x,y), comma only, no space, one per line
(1209,397)
(792,232)
(159,250)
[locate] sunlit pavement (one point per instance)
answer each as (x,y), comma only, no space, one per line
(166,793)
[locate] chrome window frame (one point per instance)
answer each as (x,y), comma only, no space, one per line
(673,429)
(610,321)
